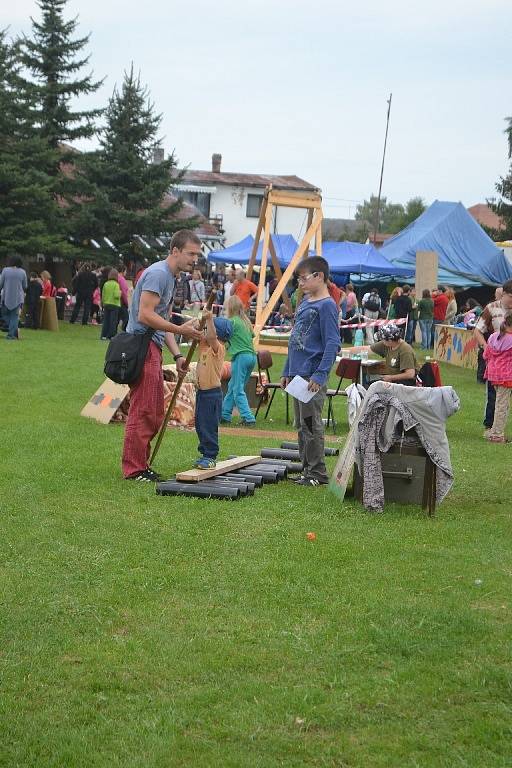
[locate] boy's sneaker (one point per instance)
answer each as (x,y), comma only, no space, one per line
(298,480)
(205,463)
(248,423)
(146,476)
(311,481)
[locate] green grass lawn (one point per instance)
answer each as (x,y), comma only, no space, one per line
(138,630)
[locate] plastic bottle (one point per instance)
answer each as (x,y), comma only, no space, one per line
(359,338)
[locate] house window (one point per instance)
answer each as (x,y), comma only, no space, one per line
(254,206)
(201,200)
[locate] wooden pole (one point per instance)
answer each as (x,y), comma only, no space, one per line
(261,223)
(279,273)
(179,382)
(263,270)
(318,237)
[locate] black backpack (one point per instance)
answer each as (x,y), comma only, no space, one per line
(372,302)
(125,356)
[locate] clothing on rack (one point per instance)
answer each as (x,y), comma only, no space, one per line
(423,409)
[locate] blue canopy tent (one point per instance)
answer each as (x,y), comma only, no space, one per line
(467,256)
(361,259)
(240,253)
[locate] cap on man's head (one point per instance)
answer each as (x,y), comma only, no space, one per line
(223,328)
(390,332)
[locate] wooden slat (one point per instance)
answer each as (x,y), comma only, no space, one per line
(318,238)
(261,222)
(288,201)
(263,269)
(196,475)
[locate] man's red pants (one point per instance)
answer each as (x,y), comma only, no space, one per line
(145,415)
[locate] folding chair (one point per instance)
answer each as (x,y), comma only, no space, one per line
(346,369)
(265,362)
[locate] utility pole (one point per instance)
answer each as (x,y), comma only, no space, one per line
(377,217)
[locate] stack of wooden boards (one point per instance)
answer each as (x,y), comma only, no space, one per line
(237,476)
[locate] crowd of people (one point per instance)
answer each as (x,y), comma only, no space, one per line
(102,297)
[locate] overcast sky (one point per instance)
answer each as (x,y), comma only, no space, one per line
(300,87)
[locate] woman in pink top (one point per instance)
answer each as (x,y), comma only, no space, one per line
(351,306)
(498,354)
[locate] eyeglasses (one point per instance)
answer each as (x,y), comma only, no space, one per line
(305,278)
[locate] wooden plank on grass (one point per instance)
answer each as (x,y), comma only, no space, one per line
(196,475)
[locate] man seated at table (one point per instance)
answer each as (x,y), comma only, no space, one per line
(399,355)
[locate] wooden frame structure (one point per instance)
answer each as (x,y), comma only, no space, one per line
(273,198)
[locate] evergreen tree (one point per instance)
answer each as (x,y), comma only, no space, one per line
(503,206)
(53,59)
(127,193)
(29,212)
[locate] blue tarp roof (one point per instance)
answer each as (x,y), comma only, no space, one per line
(466,254)
(360,258)
(240,253)
(342,257)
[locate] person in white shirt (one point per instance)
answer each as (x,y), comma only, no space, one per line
(371,307)
(228,286)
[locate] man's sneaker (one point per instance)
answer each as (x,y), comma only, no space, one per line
(205,463)
(298,480)
(146,476)
(248,423)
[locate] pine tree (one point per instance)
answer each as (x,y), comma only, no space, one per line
(503,206)
(53,59)
(29,212)
(127,192)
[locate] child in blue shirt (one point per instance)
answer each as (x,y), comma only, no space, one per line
(314,343)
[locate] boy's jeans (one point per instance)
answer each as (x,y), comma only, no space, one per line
(308,417)
(208,410)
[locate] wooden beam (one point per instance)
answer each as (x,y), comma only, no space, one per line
(305,197)
(279,274)
(317,220)
(261,222)
(196,475)
(288,201)
(263,268)
(318,237)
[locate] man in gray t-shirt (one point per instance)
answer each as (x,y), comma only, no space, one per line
(159,280)
(150,307)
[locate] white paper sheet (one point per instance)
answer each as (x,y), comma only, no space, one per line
(298,388)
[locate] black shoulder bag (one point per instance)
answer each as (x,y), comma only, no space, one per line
(125,356)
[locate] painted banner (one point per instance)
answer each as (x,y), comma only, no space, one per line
(457,346)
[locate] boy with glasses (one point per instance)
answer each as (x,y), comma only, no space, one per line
(314,343)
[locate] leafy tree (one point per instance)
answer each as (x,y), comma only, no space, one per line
(29,212)
(388,213)
(127,193)
(503,206)
(393,217)
(53,60)
(413,208)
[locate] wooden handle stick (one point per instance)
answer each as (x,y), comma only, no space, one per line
(179,382)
